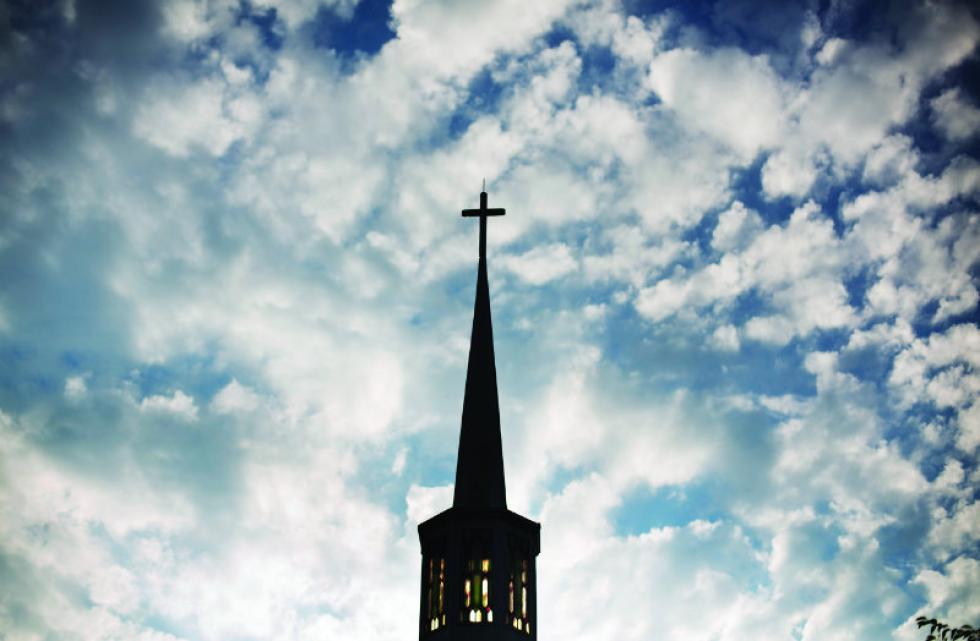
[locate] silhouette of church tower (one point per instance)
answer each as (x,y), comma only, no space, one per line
(478,557)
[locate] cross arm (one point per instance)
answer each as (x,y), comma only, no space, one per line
(484,212)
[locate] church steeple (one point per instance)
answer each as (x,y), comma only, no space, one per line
(479,558)
(480,461)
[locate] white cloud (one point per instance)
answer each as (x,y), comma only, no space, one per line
(578,428)
(851,127)
(632,256)
(235,397)
(831,51)
(453,174)
(917,365)
(789,172)
(737,99)
(424,502)
(73,503)
(891,160)
(941,370)
(777,330)
(398,463)
(634,41)
(725,338)
(457,38)
(829,130)
(544,195)
(178,118)
(951,476)
(541,264)
(968,438)
(186,19)
(346,382)
(600,129)
(835,443)
(797,266)
(597,580)
(75,387)
(886,335)
(951,593)
(736,227)
(179,404)
(955,117)
(888,83)
(951,533)
(678,180)
(295,12)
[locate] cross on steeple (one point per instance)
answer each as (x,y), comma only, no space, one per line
(479,558)
(480,463)
(483,212)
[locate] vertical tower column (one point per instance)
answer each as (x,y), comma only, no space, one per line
(478,536)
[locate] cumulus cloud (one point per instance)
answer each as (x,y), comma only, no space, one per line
(950,590)
(178,118)
(186,19)
(726,338)
(235,397)
(75,387)
(799,266)
(789,172)
(956,118)
(178,404)
(541,264)
(737,99)
(736,227)
(942,371)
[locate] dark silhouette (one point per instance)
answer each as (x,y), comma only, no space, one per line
(939,631)
(478,557)
(480,463)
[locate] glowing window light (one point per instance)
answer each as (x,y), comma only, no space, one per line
(435,588)
(442,586)
(476,592)
(517,596)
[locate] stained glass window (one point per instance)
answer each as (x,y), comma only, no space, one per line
(435,594)
(517,587)
(476,592)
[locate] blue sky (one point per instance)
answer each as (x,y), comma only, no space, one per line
(735,304)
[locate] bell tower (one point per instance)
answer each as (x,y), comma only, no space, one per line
(478,557)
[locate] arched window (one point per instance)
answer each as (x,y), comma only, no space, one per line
(435,593)
(476,592)
(517,599)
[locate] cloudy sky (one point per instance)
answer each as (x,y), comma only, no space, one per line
(735,302)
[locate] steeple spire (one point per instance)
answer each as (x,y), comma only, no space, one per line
(479,558)
(480,462)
